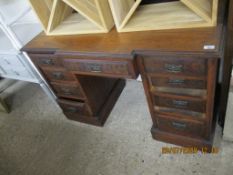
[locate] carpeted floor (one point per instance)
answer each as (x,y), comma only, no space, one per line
(36,139)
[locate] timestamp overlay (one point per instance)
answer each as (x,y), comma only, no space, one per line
(189,150)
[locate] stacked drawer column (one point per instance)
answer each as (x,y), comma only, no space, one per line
(180,90)
(87,87)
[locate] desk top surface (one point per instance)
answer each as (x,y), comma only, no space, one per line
(188,40)
(181,40)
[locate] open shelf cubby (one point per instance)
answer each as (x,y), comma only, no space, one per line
(142,15)
(68,17)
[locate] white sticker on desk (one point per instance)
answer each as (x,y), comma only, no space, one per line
(209,47)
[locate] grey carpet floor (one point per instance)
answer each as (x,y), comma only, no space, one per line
(36,139)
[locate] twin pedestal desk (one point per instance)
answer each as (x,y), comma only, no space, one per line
(179,70)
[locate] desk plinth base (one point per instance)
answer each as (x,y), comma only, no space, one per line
(204,146)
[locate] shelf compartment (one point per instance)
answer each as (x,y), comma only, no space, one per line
(67,17)
(134,15)
(43,10)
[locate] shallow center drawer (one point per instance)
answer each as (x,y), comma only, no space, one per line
(104,67)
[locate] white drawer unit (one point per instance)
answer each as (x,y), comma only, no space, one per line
(18,26)
(10,61)
(19,72)
(13,66)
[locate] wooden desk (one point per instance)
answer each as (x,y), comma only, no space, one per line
(178,67)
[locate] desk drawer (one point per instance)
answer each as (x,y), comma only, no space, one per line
(176,66)
(45,60)
(100,67)
(74,109)
(177,82)
(180,126)
(58,75)
(179,102)
(68,90)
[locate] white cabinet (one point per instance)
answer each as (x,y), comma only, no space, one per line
(18,26)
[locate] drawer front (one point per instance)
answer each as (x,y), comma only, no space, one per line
(180,103)
(177,82)
(180,126)
(45,60)
(70,90)
(20,72)
(176,66)
(10,61)
(74,109)
(113,68)
(58,75)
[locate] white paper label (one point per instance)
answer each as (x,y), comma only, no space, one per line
(209,47)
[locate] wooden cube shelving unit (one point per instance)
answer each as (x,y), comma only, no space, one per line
(134,15)
(67,17)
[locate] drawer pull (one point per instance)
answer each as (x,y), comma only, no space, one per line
(58,75)
(47,62)
(180,103)
(96,68)
(173,68)
(71,110)
(176,81)
(179,125)
(66,91)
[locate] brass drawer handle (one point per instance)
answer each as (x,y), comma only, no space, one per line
(173,68)
(66,91)
(180,103)
(96,68)
(47,62)
(179,125)
(176,81)
(58,75)
(72,110)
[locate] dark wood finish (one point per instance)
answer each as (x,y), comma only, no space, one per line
(94,89)
(180,114)
(194,113)
(99,65)
(68,90)
(113,43)
(177,82)
(97,90)
(180,102)
(100,118)
(201,144)
(181,126)
(58,74)
(178,69)
(46,60)
(175,65)
(73,108)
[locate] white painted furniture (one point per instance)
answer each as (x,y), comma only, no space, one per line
(18,25)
